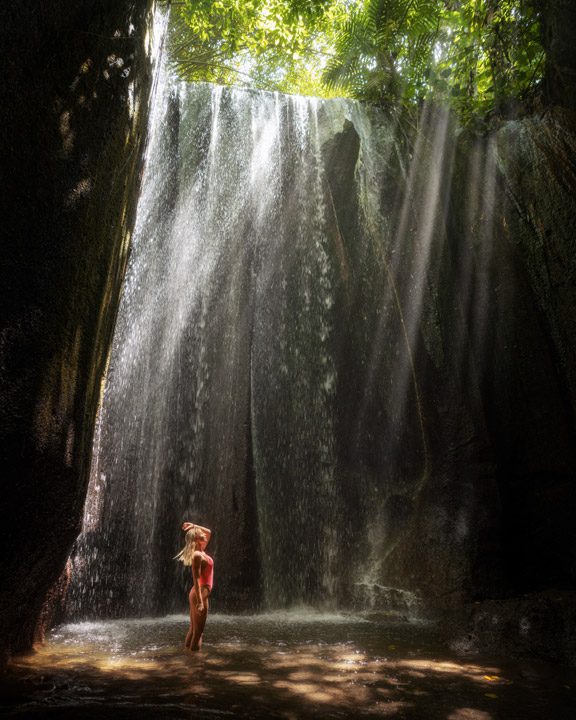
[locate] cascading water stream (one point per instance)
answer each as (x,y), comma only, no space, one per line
(252,376)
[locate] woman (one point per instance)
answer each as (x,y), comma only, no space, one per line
(193,555)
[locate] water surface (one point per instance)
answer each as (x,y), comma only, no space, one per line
(281,665)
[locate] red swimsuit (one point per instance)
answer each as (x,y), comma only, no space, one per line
(207,573)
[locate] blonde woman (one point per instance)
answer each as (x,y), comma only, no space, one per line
(193,555)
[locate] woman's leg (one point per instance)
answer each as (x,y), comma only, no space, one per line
(198,619)
(190,634)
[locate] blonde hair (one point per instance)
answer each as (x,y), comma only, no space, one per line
(186,555)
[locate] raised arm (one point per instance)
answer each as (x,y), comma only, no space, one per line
(188,526)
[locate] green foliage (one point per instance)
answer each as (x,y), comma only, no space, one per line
(489,55)
(476,55)
(264,43)
(384,50)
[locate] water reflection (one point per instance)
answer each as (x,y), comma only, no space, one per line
(286,665)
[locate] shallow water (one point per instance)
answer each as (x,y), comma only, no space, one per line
(286,665)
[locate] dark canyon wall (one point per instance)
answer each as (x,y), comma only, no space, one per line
(524,345)
(481,257)
(528,346)
(558,30)
(73,114)
(497,359)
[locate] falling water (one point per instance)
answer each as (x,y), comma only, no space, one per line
(261,346)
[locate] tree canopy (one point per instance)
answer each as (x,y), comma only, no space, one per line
(479,56)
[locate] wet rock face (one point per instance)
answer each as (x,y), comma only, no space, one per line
(73,116)
(479,498)
(524,340)
(558,29)
(495,364)
(535,624)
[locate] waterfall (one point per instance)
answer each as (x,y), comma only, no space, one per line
(259,380)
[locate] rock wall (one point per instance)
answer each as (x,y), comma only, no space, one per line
(526,385)
(493,357)
(73,110)
(536,446)
(558,29)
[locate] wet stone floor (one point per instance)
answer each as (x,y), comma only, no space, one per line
(290,666)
